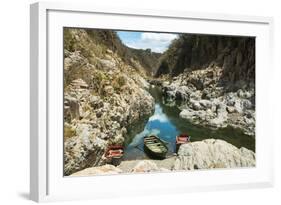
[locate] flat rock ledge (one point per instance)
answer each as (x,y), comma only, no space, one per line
(212,153)
(206,154)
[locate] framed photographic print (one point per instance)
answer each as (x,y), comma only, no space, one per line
(129,102)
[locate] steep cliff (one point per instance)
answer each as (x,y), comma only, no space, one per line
(236,55)
(212,78)
(104,93)
(144,60)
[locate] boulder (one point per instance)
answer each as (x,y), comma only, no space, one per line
(212,153)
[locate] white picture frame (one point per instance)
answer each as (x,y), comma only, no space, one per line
(46,137)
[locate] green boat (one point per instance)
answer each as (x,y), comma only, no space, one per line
(155,147)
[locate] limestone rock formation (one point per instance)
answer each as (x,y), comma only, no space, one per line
(210,104)
(211,153)
(104,95)
(192,52)
(210,78)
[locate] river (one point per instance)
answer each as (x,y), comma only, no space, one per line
(166,123)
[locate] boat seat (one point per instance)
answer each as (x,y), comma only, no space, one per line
(150,140)
(156,147)
(153,142)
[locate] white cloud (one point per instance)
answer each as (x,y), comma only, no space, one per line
(160,117)
(157,42)
(159,37)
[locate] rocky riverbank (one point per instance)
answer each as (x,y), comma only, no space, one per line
(206,99)
(206,154)
(103,96)
(210,78)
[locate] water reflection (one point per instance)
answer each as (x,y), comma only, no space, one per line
(158,124)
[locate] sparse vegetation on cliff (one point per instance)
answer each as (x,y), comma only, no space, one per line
(210,79)
(236,55)
(104,94)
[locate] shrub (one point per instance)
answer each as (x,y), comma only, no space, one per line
(119,82)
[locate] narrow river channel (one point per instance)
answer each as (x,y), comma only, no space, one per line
(166,124)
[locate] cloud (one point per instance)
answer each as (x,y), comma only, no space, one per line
(157,42)
(159,37)
(160,117)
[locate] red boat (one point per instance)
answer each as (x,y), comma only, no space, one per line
(181,139)
(114,154)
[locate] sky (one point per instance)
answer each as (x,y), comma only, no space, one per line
(157,42)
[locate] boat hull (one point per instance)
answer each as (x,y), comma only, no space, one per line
(114,154)
(181,139)
(115,161)
(153,154)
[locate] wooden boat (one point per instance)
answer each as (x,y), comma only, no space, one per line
(155,147)
(114,154)
(181,139)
